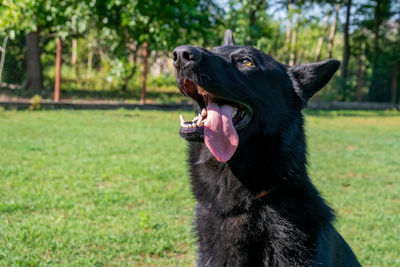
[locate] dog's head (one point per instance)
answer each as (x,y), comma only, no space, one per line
(241,92)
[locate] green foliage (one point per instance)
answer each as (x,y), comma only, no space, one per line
(114,31)
(15,65)
(52,15)
(160,23)
(35,102)
(108,188)
(251,24)
(125,25)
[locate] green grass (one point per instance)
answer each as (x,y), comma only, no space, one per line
(110,188)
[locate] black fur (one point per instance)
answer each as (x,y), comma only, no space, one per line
(290,226)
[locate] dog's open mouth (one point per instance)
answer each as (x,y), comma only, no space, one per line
(216,124)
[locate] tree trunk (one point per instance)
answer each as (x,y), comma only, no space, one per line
(145,50)
(293,42)
(377,24)
(132,63)
(288,27)
(374,90)
(395,81)
(332,32)
(299,57)
(89,64)
(330,42)
(361,72)
(131,47)
(3,55)
(34,78)
(252,22)
(128,78)
(58,71)
(321,39)
(346,45)
(73,56)
(74,48)
(255,6)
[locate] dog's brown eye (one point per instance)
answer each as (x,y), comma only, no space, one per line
(247,62)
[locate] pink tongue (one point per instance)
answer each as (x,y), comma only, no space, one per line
(219,134)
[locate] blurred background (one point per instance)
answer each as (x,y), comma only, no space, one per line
(120,49)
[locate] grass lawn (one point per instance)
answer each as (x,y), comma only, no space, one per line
(110,188)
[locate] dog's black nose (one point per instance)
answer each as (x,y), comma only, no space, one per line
(185,55)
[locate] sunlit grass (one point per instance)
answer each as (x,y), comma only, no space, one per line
(83,188)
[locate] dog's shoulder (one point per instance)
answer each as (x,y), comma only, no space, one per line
(333,250)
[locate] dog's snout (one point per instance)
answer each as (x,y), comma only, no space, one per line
(185,55)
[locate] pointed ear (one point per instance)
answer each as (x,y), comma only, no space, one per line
(310,78)
(228,38)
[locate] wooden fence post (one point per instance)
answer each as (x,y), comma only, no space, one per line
(58,71)
(145,50)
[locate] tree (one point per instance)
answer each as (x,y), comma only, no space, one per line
(3,55)
(381,13)
(34,78)
(289,24)
(321,38)
(254,6)
(13,13)
(333,31)
(346,42)
(294,41)
(252,25)
(34,17)
(361,72)
(159,24)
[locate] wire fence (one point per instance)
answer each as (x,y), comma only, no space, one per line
(87,70)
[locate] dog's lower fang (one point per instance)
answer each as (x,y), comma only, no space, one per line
(182,120)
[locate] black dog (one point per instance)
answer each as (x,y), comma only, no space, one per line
(255,203)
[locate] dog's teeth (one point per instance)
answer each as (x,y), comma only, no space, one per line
(198,117)
(182,120)
(200,121)
(234,113)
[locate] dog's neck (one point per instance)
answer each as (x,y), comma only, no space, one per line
(250,177)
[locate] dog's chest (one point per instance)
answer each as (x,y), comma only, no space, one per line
(249,239)
(230,241)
